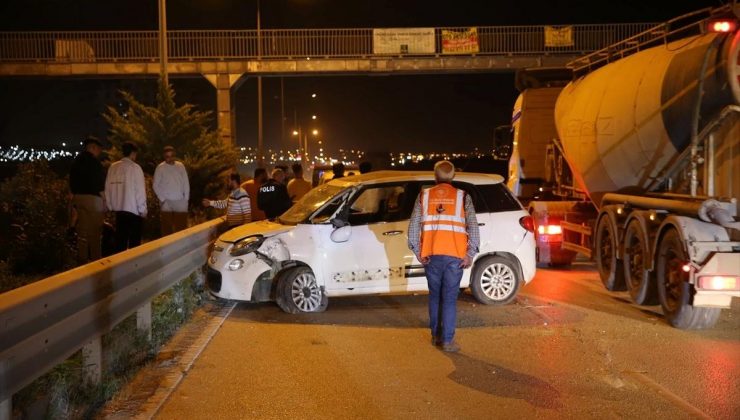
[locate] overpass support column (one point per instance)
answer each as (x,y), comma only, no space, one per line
(225,107)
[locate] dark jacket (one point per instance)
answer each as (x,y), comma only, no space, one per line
(273,199)
(87,175)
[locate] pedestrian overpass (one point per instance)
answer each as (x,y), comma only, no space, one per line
(227,57)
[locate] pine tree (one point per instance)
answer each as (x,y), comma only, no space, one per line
(206,157)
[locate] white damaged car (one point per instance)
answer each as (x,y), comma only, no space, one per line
(349,237)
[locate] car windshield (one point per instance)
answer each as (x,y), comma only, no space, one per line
(310,202)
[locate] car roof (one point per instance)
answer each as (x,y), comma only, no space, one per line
(400,176)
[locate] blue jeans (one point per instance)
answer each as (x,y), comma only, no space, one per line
(443,278)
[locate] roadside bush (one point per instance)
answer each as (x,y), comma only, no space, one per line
(34,219)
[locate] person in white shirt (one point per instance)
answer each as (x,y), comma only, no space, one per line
(173,190)
(125,194)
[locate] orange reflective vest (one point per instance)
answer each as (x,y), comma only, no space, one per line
(443,221)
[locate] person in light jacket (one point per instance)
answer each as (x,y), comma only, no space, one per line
(173,190)
(125,194)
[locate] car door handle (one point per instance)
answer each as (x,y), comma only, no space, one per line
(392,232)
(481,224)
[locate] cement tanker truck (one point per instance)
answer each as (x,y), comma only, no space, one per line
(631,156)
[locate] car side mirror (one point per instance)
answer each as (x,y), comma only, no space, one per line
(341,234)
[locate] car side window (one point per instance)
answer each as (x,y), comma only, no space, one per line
(478,202)
(382,203)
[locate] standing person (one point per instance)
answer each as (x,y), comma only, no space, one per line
(365,167)
(252,187)
(443,233)
(173,190)
(237,204)
(125,194)
(338,170)
(87,183)
(273,196)
(298,187)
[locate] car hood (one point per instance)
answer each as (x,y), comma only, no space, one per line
(263,227)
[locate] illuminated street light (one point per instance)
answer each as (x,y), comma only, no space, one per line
(313,117)
(295,132)
(313,95)
(315,132)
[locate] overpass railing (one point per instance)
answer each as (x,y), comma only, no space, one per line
(210,45)
(44,323)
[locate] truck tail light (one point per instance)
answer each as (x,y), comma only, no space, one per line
(719,282)
(549,230)
(722,25)
(527,223)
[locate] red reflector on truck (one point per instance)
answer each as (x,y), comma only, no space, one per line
(718,282)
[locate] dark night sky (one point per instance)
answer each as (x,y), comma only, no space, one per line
(390,113)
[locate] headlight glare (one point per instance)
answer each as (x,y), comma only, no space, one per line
(247,245)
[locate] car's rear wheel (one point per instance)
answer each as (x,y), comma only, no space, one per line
(495,280)
(297,291)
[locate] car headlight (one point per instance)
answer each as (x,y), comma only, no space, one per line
(236,264)
(247,245)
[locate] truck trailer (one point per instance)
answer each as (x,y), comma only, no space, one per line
(631,156)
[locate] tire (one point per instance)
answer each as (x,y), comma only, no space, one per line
(495,280)
(609,266)
(640,281)
(674,289)
(298,292)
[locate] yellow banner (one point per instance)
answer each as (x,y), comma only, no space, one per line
(460,42)
(559,37)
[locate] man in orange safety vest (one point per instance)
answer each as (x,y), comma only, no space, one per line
(443,233)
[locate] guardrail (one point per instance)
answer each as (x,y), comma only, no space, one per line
(209,45)
(44,323)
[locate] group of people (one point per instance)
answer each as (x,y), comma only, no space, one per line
(122,190)
(261,197)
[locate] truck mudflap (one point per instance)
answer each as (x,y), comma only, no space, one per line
(717,281)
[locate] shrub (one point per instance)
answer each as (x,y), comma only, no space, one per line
(34,220)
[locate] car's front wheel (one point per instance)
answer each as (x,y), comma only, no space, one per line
(494,280)
(297,291)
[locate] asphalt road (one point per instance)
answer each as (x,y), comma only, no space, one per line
(565,348)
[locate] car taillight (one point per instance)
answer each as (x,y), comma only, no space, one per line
(527,223)
(722,25)
(549,230)
(718,282)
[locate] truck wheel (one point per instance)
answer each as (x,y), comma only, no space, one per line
(297,291)
(674,289)
(609,266)
(494,280)
(640,281)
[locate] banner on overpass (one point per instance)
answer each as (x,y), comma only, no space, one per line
(460,42)
(403,41)
(558,37)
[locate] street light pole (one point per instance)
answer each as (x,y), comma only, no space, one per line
(260,144)
(163,41)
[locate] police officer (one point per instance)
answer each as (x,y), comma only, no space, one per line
(273,196)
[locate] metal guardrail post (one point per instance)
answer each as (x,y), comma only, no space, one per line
(144,319)
(92,361)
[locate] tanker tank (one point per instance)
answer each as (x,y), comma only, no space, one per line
(623,124)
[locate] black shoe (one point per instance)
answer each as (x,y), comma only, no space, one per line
(436,341)
(450,347)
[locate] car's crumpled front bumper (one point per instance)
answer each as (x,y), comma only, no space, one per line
(238,284)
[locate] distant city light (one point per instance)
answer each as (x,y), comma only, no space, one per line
(313,95)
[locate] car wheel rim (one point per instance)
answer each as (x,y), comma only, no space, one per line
(306,293)
(498,281)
